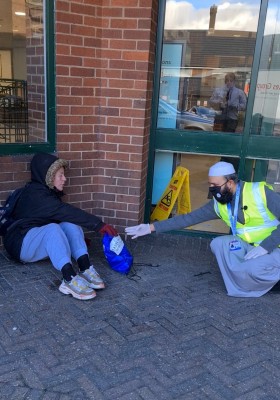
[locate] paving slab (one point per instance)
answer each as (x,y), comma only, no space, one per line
(167,332)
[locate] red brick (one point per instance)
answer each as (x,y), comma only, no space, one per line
(94,119)
(69,81)
(104,197)
(107,146)
(144,24)
(96,22)
(133,113)
(83,9)
(123,44)
(131,131)
(136,55)
(117,156)
(83,52)
(63,28)
(110,33)
(121,64)
(112,12)
(62,70)
(109,111)
(118,121)
(81,146)
(112,205)
(127,199)
(63,49)
(75,71)
(106,129)
(69,18)
(137,34)
(71,40)
(117,139)
(92,42)
(116,189)
(137,12)
(125,3)
(73,137)
(123,23)
(63,5)
(126,103)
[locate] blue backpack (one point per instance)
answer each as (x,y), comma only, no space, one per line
(6,211)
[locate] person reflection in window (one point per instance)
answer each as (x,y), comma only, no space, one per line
(228,101)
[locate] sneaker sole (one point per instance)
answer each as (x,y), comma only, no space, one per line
(77,295)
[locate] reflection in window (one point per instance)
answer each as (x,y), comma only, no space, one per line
(201,46)
(273,174)
(266,112)
(22,72)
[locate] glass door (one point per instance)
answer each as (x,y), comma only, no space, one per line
(204,91)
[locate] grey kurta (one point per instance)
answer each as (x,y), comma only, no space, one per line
(251,278)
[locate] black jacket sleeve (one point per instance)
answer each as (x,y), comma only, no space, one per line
(40,205)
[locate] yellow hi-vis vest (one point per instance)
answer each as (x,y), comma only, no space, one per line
(259,221)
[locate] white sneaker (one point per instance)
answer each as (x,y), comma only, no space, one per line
(93,279)
(78,288)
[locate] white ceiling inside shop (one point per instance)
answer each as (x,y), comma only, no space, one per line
(10,22)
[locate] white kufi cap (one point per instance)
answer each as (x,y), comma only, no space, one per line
(221,168)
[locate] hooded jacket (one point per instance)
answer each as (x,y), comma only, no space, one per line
(40,204)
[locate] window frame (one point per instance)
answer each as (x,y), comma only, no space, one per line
(174,140)
(50,94)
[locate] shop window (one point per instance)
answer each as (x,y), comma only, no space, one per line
(207,58)
(266,112)
(23,74)
(196,189)
(273,174)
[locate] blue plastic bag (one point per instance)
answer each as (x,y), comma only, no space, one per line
(116,253)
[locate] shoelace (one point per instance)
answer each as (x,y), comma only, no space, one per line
(132,275)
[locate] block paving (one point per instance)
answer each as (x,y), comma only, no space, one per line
(169,332)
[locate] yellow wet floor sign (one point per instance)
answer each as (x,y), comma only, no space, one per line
(178,190)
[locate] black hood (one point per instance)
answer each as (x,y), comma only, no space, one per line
(39,166)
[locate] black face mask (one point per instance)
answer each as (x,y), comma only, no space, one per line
(222,197)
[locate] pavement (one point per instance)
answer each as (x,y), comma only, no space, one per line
(170,332)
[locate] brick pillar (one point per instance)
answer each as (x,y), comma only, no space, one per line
(105,63)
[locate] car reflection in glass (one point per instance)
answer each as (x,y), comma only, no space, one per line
(197,118)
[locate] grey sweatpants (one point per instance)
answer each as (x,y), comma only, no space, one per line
(251,278)
(59,242)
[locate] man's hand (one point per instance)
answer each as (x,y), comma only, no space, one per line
(255,252)
(108,229)
(138,230)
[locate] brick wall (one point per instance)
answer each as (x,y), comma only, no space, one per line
(14,172)
(105,62)
(104,76)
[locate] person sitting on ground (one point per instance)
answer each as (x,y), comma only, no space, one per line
(249,258)
(47,227)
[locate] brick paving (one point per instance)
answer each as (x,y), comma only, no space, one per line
(170,333)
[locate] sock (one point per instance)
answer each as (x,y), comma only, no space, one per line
(83,262)
(67,272)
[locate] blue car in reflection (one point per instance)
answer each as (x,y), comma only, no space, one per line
(203,111)
(197,120)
